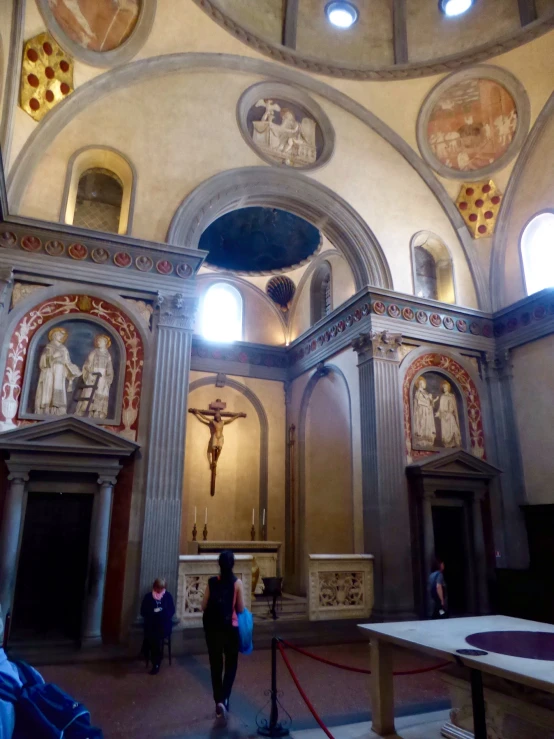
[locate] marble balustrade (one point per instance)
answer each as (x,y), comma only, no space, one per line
(340,586)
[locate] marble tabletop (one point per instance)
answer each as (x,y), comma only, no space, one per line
(444,638)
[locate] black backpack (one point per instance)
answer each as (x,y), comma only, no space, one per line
(219,612)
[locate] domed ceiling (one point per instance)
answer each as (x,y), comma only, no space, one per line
(259,240)
(391,39)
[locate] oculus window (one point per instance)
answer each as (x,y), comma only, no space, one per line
(537,252)
(222,313)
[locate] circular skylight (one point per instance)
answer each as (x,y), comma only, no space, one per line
(341,14)
(452,8)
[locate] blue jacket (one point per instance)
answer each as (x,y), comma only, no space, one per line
(7,712)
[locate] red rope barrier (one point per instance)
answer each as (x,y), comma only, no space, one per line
(401,673)
(302,693)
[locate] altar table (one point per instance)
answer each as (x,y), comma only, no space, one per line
(443,639)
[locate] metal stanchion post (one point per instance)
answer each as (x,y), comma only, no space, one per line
(274,728)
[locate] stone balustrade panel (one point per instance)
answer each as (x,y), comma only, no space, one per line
(340,586)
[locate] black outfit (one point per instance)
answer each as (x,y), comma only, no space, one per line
(157,624)
(222,637)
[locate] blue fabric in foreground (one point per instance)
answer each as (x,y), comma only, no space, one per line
(246,627)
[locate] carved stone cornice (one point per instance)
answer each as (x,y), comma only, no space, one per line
(176,311)
(378,345)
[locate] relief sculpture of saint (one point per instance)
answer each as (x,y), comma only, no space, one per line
(287,140)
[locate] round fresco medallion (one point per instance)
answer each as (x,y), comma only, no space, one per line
(349,320)
(421,316)
(511,325)
(164,267)
(327,336)
(499,329)
(184,270)
(321,339)
(341,325)
(314,345)
(435,320)
(393,311)
(54,248)
(357,315)
(487,330)
(285,126)
(475,328)
(122,259)
(365,309)
(78,251)
(448,322)
(379,307)
(408,314)
(333,331)
(461,325)
(144,263)
(8,239)
(526,318)
(100,255)
(31,243)
(473,121)
(539,312)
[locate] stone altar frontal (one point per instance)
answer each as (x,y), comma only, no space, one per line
(266,556)
(340,586)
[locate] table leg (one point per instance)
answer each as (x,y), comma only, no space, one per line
(382,689)
(478,701)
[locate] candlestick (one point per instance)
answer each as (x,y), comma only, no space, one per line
(253,533)
(194,532)
(206,517)
(205,532)
(195,515)
(263,518)
(252,517)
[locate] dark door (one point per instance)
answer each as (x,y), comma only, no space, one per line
(450,547)
(52,566)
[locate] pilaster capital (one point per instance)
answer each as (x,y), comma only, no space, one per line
(499,364)
(176,311)
(6,280)
(321,370)
(378,345)
(18,477)
(107,480)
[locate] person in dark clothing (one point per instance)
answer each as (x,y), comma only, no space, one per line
(157,611)
(438,600)
(223,600)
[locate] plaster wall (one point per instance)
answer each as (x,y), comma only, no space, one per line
(533,392)
(238,470)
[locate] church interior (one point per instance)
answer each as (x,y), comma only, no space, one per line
(274,275)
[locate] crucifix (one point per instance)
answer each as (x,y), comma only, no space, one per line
(213,418)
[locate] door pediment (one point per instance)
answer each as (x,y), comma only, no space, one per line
(456,463)
(67,435)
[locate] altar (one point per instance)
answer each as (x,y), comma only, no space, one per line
(266,557)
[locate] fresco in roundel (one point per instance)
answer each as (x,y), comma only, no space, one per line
(472,124)
(98,25)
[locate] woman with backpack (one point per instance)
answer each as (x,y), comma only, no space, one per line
(223,600)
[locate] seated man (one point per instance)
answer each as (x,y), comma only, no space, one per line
(7,712)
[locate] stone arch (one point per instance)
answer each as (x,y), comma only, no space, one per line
(295,193)
(300,543)
(264,433)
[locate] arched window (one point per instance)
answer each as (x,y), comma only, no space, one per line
(222,313)
(98,202)
(99,191)
(537,253)
(432,268)
(321,292)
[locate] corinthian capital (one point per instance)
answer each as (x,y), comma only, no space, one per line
(176,311)
(378,345)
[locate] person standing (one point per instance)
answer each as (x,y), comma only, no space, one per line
(438,600)
(223,600)
(157,611)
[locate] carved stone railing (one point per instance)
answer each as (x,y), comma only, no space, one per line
(340,586)
(194,573)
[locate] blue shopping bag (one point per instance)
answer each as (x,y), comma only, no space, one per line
(246,627)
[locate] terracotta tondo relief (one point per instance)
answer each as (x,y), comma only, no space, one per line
(284,133)
(472,125)
(98,25)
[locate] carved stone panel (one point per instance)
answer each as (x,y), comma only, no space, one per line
(340,586)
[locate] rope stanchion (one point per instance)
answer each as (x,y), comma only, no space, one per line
(361,670)
(302,692)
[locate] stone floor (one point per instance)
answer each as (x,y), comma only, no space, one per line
(419,726)
(176,704)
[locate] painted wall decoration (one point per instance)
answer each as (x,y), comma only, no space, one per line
(437,417)
(92,352)
(438,413)
(479,203)
(285,126)
(98,25)
(46,76)
(73,367)
(473,121)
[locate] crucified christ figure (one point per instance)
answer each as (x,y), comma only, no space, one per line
(214,419)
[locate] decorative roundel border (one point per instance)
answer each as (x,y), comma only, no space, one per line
(123,53)
(482,71)
(279,90)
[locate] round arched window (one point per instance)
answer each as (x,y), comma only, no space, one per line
(537,252)
(222,313)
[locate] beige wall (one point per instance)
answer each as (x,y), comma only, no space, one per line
(533,388)
(238,470)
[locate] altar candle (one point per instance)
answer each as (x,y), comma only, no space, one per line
(252,517)
(263,519)
(194,514)
(206,517)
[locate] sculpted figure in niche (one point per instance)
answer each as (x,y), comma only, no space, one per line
(424,417)
(98,365)
(448,416)
(56,368)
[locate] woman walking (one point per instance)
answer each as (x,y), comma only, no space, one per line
(157,611)
(223,600)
